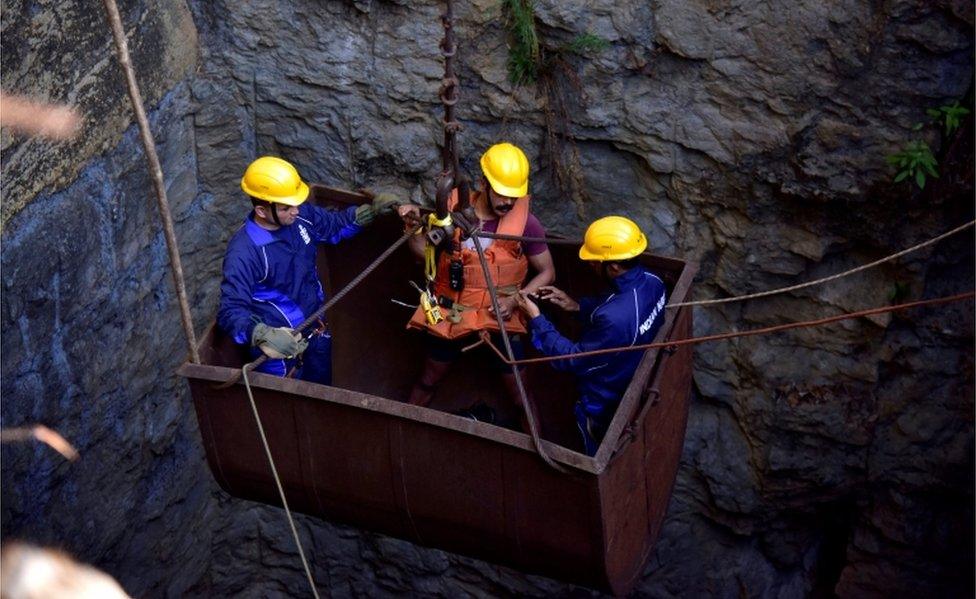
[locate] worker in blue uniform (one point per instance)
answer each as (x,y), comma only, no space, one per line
(270,283)
(629,314)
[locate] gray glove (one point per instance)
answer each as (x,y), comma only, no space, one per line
(383,203)
(279,342)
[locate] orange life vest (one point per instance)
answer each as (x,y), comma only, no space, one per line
(508,267)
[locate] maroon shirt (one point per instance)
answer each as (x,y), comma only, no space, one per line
(533,228)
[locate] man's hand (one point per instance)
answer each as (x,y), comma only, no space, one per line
(505,306)
(527,305)
(278,342)
(383,203)
(410,214)
(559,298)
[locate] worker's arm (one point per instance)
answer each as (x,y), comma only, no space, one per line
(330,226)
(545,272)
(410,214)
(241,271)
(587,305)
(417,243)
(549,341)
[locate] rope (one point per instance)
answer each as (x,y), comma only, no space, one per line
(277,479)
(430,262)
(318,314)
(730,335)
(529,417)
(156,173)
(839,275)
(739,298)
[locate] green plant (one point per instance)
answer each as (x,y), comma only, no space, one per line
(950,116)
(524,55)
(587,43)
(530,61)
(915,161)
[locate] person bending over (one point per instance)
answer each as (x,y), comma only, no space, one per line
(630,313)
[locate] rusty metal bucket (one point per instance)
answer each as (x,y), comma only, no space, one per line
(351,454)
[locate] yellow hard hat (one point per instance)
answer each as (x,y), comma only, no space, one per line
(507,170)
(612,238)
(274,180)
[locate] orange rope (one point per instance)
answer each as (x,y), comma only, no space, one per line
(730,335)
(739,298)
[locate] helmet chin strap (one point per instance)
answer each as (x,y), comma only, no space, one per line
(274,213)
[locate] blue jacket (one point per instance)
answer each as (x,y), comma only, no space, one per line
(631,315)
(271,274)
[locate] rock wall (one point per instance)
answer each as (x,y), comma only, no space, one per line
(749,137)
(63,52)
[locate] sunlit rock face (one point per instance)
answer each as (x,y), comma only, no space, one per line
(748,137)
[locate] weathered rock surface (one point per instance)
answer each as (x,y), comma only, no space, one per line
(747,136)
(63,52)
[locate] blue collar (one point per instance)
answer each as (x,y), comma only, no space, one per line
(629,279)
(258,234)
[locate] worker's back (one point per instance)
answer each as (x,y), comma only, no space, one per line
(631,315)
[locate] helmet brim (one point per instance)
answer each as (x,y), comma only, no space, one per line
(588,256)
(511,192)
(296,199)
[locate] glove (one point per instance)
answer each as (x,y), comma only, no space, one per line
(278,343)
(365,215)
(383,203)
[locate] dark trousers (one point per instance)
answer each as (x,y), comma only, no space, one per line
(593,427)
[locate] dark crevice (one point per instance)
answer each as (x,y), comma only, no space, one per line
(837,529)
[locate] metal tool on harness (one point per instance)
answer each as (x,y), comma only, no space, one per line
(454,308)
(455,274)
(429,305)
(439,229)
